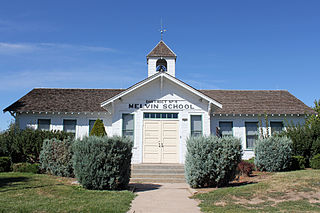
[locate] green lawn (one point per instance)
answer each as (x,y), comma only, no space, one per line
(24,192)
(297,191)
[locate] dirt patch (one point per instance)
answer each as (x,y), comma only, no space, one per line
(256,177)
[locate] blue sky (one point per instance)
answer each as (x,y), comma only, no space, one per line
(268,44)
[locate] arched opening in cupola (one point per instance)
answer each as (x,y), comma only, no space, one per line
(161,65)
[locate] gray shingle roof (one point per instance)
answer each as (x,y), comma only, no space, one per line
(161,50)
(89,100)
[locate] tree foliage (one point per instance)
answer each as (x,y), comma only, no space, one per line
(98,129)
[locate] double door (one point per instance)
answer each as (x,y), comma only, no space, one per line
(160,141)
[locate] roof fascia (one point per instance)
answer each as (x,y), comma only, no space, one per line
(175,80)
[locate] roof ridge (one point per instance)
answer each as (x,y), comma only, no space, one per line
(47,88)
(261,90)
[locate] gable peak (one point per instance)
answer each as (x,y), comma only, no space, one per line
(161,50)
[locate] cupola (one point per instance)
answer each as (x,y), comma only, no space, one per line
(161,59)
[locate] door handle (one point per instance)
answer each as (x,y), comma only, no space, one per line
(159,144)
(162,144)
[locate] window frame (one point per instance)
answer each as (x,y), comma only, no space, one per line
(246,135)
(38,123)
(271,133)
(231,127)
(191,132)
(122,126)
(70,119)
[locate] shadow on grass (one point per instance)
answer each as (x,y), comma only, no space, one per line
(141,187)
(12,184)
(243,183)
(8,181)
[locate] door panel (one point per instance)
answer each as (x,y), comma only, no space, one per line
(151,140)
(170,141)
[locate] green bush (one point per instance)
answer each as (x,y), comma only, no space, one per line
(315,162)
(5,164)
(56,157)
(102,162)
(251,160)
(212,161)
(25,145)
(298,162)
(273,154)
(26,167)
(98,129)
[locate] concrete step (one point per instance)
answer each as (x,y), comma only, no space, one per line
(157,166)
(157,171)
(157,180)
(159,176)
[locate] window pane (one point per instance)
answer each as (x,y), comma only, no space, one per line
(276,127)
(127,121)
(252,128)
(69,126)
(164,115)
(128,126)
(175,115)
(146,115)
(158,115)
(196,125)
(251,134)
(44,124)
(226,128)
(91,123)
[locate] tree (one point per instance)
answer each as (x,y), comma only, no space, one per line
(98,129)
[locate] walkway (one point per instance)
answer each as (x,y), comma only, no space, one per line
(163,198)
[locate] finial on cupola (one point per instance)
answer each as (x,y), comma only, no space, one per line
(162,29)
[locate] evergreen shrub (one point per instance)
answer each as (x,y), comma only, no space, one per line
(98,129)
(26,167)
(315,162)
(25,145)
(5,164)
(273,154)
(103,162)
(212,161)
(298,162)
(56,157)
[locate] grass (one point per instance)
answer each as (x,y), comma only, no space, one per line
(296,191)
(26,192)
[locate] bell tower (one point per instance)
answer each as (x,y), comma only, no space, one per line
(161,59)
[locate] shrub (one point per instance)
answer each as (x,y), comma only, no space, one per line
(245,168)
(98,129)
(211,161)
(250,160)
(5,164)
(298,162)
(315,162)
(103,162)
(273,154)
(26,167)
(55,157)
(25,145)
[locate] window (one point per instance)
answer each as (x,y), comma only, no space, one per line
(276,127)
(44,124)
(70,126)
(161,115)
(196,125)
(226,128)
(91,123)
(128,126)
(251,134)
